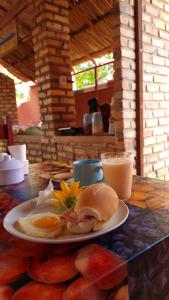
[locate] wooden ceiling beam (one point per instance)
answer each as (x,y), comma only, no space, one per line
(91,23)
(21,45)
(14,10)
(81,49)
(27,38)
(30,70)
(74,3)
(14,71)
(93,55)
(31,54)
(26,21)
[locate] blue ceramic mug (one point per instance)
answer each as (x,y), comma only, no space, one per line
(88,171)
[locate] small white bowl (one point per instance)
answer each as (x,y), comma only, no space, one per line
(11,171)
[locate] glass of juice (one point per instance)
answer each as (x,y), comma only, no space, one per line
(118,171)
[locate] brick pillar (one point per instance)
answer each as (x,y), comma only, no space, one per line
(8,98)
(128,76)
(116,107)
(52,64)
(123,110)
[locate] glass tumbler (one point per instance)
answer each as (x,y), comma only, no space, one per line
(118,171)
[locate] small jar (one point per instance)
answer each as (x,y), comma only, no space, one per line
(97,123)
(112,129)
(87,124)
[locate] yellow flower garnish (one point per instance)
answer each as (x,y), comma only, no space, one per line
(69,193)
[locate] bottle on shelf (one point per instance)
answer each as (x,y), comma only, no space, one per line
(87,124)
(112,128)
(97,123)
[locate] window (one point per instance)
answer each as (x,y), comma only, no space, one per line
(93,73)
(105,73)
(84,79)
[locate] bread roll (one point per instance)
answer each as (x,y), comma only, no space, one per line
(99,200)
(81,227)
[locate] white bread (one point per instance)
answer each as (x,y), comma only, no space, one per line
(81,227)
(97,200)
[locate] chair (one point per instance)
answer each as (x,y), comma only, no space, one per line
(6,132)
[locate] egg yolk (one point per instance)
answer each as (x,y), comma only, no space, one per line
(46,222)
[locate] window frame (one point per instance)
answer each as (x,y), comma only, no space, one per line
(95,68)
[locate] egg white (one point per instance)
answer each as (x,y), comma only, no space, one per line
(27,226)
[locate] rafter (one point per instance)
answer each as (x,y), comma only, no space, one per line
(91,23)
(73,3)
(82,50)
(26,21)
(26,58)
(94,28)
(93,55)
(14,71)
(14,10)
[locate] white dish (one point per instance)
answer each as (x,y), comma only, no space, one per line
(27,207)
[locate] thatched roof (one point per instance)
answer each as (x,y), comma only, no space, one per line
(91,29)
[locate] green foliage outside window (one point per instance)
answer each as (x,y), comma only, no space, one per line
(87,78)
(105,73)
(82,67)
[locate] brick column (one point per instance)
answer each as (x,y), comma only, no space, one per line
(117,108)
(123,45)
(52,64)
(8,98)
(128,77)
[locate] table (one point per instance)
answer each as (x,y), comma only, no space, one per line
(132,259)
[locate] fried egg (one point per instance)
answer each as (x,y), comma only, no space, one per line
(47,225)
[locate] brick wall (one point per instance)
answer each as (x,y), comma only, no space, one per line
(53,69)
(33,146)
(156,88)
(84,147)
(7,98)
(53,73)
(53,66)
(126,83)
(51,40)
(67,148)
(123,44)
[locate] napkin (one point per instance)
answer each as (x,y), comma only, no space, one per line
(45,194)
